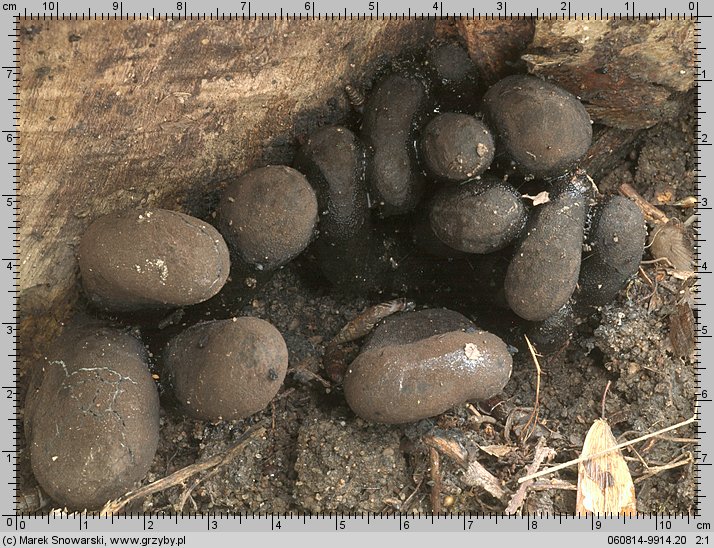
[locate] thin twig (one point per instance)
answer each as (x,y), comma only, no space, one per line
(604,395)
(530,426)
(187,494)
(545,485)
(606,451)
(676,463)
(178,477)
(650,212)
(435,472)
(541,453)
(407,503)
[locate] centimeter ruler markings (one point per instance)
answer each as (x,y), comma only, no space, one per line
(310,12)
(359,521)
(11,16)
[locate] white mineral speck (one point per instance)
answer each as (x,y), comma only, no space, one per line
(472,352)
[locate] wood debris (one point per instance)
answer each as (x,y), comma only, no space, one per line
(604,482)
(334,358)
(581,458)
(682,333)
(650,212)
(475,475)
(435,472)
(180,476)
(542,452)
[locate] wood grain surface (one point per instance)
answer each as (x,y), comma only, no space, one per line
(115,114)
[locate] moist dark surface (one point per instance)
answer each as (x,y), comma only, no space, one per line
(544,271)
(480,216)
(389,114)
(616,243)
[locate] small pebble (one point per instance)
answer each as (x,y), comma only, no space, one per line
(227,369)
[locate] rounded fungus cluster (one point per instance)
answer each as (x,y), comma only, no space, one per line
(429,181)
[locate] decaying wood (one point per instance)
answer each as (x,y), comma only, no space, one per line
(435,473)
(650,212)
(542,452)
(475,475)
(449,447)
(159,113)
(495,45)
(609,147)
(628,73)
(682,334)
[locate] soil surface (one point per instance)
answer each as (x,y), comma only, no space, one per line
(316,455)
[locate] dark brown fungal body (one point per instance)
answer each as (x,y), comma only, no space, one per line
(451,64)
(227,369)
(390,113)
(92,417)
(152,258)
(617,242)
(408,327)
(408,382)
(544,129)
(268,216)
(426,241)
(246,111)
(455,77)
(456,147)
(478,216)
(333,160)
(546,264)
(554,332)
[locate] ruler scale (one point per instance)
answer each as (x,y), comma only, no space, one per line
(642,529)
